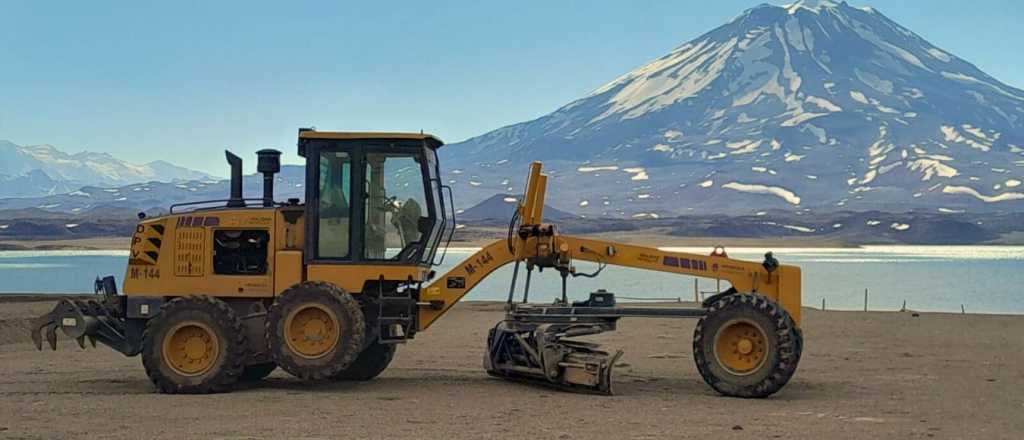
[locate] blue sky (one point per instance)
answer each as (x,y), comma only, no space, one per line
(182,80)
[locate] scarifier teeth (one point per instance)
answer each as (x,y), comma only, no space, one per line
(49,323)
(79,320)
(51,336)
(37,338)
(608,372)
(38,327)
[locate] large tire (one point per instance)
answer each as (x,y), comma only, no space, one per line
(746,346)
(370,363)
(315,330)
(196,345)
(257,372)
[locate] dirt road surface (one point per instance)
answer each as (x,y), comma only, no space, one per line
(863,375)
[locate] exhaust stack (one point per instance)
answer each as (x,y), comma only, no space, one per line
(236,200)
(268,163)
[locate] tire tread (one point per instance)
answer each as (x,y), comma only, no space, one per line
(230,324)
(352,345)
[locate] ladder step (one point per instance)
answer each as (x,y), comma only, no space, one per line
(390,330)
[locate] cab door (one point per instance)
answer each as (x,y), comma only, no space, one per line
(368,214)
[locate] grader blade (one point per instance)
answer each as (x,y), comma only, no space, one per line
(541,354)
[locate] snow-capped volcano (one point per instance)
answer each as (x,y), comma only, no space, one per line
(813,105)
(40,170)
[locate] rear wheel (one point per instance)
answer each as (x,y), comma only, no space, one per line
(195,345)
(746,346)
(315,330)
(370,363)
(256,372)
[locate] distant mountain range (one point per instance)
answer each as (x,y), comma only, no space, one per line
(42,170)
(151,197)
(815,106)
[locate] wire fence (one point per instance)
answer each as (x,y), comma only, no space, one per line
(903,308)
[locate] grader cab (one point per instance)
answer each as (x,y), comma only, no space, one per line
(222,291)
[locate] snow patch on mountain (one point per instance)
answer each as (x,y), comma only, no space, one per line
(897,226)
(952,135)
(966,190)
(782,193)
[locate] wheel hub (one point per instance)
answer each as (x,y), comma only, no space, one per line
(741,347)
(312,330)
(191,348)
(745,346)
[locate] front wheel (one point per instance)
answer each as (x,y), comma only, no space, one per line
(194,346)
(746,346)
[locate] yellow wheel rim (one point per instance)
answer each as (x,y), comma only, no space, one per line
(311,330)
(191,348)
(741,347)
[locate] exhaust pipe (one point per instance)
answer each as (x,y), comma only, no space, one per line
(268,163)
(236,200)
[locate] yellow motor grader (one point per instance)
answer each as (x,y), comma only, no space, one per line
(222,291)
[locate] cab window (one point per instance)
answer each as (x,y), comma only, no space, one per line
(333,205)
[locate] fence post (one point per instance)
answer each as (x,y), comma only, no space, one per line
(865,300)
(696,292)
(822,303)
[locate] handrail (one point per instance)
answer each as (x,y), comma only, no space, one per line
(435,240)
(203,202)
(451,232)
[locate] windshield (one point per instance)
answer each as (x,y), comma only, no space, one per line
(397,214)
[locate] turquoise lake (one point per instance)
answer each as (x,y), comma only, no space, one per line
(983,279)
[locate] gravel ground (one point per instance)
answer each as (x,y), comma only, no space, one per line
(863,375)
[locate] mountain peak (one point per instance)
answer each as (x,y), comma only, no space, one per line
(814,105)
(812,5)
